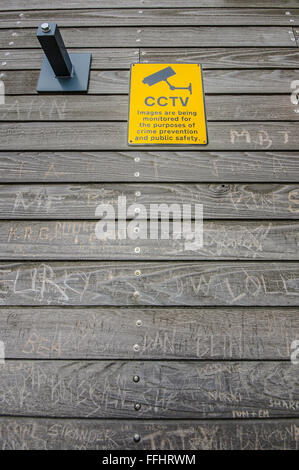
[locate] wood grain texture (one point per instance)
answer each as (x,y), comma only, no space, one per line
(215,326)
(60,240)
(156,36)
(211,283)
(113,136)
(296,34)
(86,434)
(121,58)
(220,201)
(111,82)
(220,57)
(238,333)
(104,58)
(153,17)
(115,108)
(152,166)
(71,4)
(105,389)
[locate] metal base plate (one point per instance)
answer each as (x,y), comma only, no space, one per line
(78,82)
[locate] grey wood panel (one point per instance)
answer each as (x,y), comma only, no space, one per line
(215,81)
(211,283)
(105,389)
(71,4)
(168,389)
(153,17)
(249,81)
(104,58)
(91,434)
(296,34)
(157,36)
(118,58)
(152,166)
(113,136)
(162,333)
(115,108)
(219,57)
(61,240)
(220,201)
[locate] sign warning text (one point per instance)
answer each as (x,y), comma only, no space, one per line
(167,105)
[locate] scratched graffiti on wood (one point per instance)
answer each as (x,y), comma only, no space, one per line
(171,283)
(209,333)
(166,389)
(240,201)
(161,333)
(113,135)
(28,433)
(152,166)
(222,240)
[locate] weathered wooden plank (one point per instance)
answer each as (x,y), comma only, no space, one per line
(79,201)
(156,36)
(113,136)
(152,17)
(91,434)
(152,166)
(104,58)
(105,389)
(216,58)
(24,82)
(120,58)
(258,284)
(162,333)
(115,108)
(215,81)
(248,81)
(296,34)
(60,240)
(56,4)
(166,283)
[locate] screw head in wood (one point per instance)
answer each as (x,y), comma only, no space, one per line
(136,438)
(136,347)
(46,28)
(137,406)
(136,378)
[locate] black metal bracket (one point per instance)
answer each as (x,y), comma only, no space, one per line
(61,71)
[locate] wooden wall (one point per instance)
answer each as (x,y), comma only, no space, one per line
(208,333)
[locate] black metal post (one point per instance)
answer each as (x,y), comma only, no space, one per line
(61,72)
(52,43)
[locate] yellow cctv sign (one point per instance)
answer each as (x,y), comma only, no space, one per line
(167,105)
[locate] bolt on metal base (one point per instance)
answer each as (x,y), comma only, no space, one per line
(61,71)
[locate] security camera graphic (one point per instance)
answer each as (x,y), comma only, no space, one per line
(163,76)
